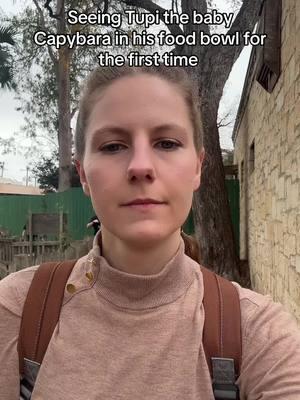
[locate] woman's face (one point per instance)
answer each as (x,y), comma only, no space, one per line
(139,144)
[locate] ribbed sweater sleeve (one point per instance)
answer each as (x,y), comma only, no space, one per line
(271,350)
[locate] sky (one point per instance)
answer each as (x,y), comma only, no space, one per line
(11,120)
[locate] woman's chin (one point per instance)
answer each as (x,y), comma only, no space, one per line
(145,238)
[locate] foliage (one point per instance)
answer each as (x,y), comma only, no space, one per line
(37,81)
(228,156)
(46,171)
(7,37)
(36,70)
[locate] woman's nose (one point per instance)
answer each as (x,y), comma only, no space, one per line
(141,164)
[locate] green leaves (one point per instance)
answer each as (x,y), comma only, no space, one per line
(7,34)
(46,171)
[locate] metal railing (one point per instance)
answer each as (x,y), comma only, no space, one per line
(16,254)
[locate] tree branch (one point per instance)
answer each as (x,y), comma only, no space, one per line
(73,111)
(224,57)
(52,15)
(224,125)
(223,122)
(246,18)
(152,8)
(43,23)
(201,7)
(98,4)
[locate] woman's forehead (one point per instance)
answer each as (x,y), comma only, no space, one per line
(142,85)
(140,103)
(140,96)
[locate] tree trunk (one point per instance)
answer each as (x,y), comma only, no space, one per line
(213,226)
(64,113)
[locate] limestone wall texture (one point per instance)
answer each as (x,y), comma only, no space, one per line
(270,194)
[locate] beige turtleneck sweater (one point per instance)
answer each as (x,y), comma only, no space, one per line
(132,337)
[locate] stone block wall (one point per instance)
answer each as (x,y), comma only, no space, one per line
(270,194)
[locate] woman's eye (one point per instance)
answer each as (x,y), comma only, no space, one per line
(115,147)
(170,144)
(111,148)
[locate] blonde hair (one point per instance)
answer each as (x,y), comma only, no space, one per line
(102,77)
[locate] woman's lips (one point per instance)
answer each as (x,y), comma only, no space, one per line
(144,206)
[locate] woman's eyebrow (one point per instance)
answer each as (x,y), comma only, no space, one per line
(170,127)
(126,132)
(109,129)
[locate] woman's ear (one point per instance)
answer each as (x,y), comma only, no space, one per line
(200,158)
(82,177)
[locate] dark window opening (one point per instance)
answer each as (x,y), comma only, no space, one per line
(252,157)
(242,174)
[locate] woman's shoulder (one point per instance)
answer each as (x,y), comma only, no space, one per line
(260,313)
(251,300)
(14,287)
(270,348)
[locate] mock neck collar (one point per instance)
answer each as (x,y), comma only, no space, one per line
(138,292)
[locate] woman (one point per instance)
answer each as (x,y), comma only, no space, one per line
(132,319)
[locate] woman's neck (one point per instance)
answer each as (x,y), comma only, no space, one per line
(138,258)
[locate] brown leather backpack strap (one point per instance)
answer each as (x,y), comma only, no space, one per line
(222,327)
(42,309)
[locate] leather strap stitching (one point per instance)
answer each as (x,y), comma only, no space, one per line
(221,316)
(43,310)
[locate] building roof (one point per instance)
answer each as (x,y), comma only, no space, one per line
(10,186)
(250,77)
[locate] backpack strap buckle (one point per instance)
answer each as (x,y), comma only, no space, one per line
(30,372)
(223,372)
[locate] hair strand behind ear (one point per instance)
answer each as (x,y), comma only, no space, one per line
(192,248)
